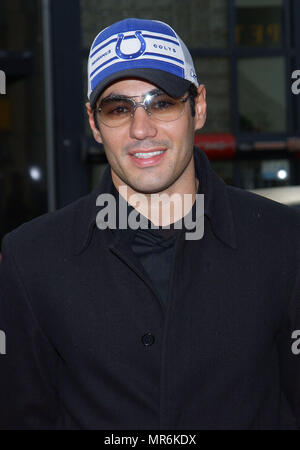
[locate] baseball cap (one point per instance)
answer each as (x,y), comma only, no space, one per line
(147,49)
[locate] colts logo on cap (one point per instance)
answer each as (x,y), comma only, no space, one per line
(193,74)
(138,35)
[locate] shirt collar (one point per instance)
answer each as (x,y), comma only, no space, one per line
(217,207)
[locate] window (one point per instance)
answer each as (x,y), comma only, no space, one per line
(261,93)
(259,23)
(23,177)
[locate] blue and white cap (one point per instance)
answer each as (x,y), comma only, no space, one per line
(147,49)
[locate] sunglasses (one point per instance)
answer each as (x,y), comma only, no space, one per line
(118,110)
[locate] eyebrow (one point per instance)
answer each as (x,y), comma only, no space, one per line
(114,95)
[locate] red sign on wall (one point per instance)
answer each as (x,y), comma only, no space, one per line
(216,146)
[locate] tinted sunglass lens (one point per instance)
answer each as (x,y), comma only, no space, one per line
(115,112)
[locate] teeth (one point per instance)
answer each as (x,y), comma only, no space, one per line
(148,155)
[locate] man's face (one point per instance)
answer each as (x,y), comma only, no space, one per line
(142,134)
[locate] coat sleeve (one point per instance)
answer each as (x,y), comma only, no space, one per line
(28,395)
(289,350)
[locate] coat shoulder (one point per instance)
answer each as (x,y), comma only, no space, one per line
(50,231)
(250,210)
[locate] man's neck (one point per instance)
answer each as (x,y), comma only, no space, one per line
(162,208)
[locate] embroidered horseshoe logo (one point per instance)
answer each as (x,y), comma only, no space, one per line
(142,49)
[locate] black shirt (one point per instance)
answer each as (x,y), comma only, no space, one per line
(155,249)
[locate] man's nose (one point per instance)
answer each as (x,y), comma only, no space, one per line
(142,126)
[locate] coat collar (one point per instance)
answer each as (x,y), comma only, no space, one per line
(217,207)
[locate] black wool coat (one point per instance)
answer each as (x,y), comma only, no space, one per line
(90,345)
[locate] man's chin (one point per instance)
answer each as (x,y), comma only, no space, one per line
(150,188)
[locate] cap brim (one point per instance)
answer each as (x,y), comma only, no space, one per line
(171,84)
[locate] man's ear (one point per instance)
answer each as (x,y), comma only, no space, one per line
(95,131)
(200,107)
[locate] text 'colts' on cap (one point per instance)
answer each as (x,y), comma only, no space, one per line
(147,49)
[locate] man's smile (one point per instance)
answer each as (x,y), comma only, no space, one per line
(146,158)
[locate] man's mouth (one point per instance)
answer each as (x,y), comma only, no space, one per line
(145,155)
(147,158)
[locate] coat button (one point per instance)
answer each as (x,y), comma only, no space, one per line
(148,339)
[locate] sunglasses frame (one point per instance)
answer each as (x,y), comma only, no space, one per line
(144,104)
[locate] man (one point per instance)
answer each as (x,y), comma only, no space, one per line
(138,327)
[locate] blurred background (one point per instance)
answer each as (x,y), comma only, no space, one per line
(245,52)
